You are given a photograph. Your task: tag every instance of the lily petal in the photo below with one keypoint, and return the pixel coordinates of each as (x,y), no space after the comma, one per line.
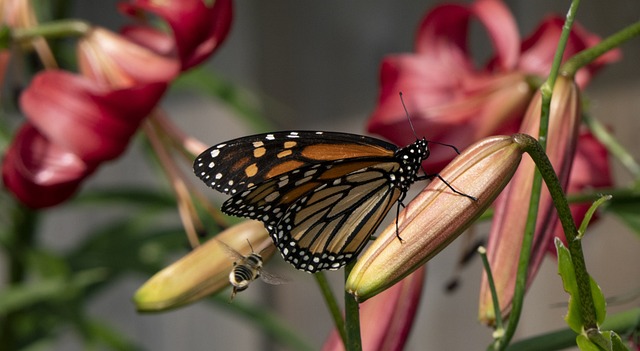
(198,29)
(40,173)
(91,121)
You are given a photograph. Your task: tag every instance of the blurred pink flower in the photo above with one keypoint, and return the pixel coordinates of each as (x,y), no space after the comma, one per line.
(38,172)
(452,101)
(75,122)
(386,318)
(198,29)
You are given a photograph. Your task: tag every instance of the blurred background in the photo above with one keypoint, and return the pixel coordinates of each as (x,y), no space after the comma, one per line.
(315,65)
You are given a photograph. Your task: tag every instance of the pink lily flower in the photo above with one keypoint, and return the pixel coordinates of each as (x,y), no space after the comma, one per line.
(453,101)
(90,118)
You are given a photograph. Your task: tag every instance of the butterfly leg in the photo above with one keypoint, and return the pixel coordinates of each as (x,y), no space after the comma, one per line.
(397,215)
(431,176)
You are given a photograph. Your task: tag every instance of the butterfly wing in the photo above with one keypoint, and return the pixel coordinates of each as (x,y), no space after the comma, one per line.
(329,225)
(239,164)
(321,195)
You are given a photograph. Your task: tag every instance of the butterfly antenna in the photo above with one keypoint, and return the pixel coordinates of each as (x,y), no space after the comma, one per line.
(406,112)
(249,242)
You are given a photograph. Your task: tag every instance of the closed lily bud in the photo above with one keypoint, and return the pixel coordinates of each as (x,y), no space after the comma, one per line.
(436,216)
(204,271)
(509,220)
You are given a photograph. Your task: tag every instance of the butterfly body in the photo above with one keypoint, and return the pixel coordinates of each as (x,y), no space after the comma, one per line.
(321,195)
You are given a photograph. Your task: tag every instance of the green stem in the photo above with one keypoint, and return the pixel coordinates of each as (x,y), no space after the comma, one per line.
(533,148)
(332,304)
(546,89)
(612,145)
(492,287)
(589,55)
(55,29)
(352,316)
(18,240)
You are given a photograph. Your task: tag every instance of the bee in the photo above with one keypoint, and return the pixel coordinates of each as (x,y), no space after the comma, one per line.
(247,269)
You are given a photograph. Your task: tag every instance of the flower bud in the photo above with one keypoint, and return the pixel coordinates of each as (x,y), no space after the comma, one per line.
(203,271)
(509,220)
(436,216)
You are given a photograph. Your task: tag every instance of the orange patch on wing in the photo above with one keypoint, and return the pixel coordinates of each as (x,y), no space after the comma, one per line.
(284,153)
(251,170)
(259,152)
(340,151)
(299,191)
(283,167)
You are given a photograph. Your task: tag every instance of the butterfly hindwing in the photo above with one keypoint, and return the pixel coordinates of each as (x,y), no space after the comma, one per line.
(328,226)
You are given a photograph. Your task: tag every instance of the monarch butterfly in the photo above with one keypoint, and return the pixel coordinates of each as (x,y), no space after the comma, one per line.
(247,269)
(321,195)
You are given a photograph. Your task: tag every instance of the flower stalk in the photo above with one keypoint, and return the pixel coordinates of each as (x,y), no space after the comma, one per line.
(352,315)
(332,304)
(589,55)
(534,149)
(55,29)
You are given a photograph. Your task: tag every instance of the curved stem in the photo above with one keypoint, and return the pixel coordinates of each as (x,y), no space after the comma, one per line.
(533,148)
(589,55)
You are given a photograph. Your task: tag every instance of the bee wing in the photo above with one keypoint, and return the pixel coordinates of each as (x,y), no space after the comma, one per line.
(231,252)
(272,279)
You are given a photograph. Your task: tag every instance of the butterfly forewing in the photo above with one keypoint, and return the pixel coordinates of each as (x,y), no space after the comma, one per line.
(239,164)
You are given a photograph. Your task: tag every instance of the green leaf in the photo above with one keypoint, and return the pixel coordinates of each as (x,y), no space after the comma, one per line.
(567,273)
(622,323)
(584,344)
(565,269)
(599,301)
(19,297)
(616,342)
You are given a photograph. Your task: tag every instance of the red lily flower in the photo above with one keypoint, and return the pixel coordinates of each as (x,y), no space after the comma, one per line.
(90,119)
(386,318)
(454,102)
(198,29)
(38,172)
